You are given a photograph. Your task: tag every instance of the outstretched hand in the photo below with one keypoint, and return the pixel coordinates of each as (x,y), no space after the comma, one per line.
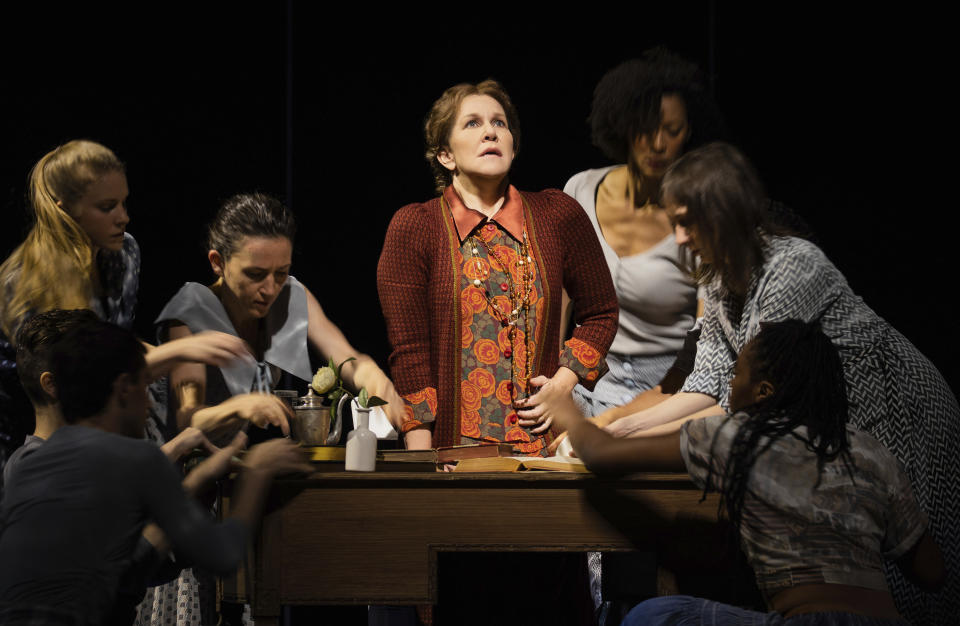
(368,374)
(221,461)
(211,347)
(188,439)
(260,409)
(278,457)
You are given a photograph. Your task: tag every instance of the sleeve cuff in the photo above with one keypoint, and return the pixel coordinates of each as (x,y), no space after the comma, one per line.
(584,360)
(420,408)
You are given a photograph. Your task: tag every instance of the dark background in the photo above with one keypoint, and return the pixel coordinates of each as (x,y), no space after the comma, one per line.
(843,111)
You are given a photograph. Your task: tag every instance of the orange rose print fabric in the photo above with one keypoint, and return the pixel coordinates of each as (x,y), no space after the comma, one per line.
(492,351)
(582,358)
(422,408)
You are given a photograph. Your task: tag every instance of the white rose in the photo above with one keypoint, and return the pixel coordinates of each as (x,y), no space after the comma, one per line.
(324,380)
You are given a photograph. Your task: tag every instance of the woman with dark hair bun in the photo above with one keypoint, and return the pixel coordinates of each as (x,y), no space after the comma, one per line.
(646,113)
(752,276)
(79,255)
(470,285)
(256,299)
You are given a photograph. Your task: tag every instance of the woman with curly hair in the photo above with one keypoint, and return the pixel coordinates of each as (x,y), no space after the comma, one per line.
(470,285)
(646,113)
(751,275)
(818,506)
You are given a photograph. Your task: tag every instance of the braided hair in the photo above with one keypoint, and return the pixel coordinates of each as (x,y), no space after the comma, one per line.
(804,367)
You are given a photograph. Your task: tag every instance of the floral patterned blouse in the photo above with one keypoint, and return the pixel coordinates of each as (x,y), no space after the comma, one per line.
(501,316)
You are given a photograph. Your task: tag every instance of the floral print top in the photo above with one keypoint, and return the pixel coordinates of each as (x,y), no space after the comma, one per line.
(495,353)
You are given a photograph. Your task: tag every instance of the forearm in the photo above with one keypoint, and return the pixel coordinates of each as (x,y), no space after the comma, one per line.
(249,495)
(674,426)
(160,359)
(604,454)
(364,372)
(645,400)
(157,539)
(419,439)
(675,407)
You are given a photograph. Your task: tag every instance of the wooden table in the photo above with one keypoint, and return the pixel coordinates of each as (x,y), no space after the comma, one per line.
(356,538)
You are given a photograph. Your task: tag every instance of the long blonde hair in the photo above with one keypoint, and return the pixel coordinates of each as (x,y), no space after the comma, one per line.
(54,268)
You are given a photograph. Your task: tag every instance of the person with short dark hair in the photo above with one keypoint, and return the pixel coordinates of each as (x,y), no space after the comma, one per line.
(817,504)
(34,344)
(75,508)
(79,254)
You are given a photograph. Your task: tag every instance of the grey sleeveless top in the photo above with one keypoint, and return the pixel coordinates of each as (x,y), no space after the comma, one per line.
(657,298)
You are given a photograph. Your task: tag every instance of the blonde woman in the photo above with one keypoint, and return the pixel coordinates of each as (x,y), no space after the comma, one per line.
(79,255)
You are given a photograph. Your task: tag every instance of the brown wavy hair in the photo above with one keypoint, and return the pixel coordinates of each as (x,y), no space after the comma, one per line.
(443,114)
(726,204)
(54,267)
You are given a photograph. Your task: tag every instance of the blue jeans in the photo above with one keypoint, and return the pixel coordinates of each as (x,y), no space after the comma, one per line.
(689,611)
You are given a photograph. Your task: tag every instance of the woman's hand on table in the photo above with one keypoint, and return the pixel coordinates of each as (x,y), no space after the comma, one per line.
(536,408)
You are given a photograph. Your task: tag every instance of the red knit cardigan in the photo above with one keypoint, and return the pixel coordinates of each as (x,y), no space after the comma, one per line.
(418,280)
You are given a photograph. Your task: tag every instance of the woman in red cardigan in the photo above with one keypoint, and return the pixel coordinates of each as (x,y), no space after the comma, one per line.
(470,285)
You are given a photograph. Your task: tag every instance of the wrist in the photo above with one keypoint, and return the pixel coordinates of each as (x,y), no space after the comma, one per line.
(566,378)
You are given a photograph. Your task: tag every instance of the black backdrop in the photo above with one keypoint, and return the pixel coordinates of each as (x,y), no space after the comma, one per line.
(840,110)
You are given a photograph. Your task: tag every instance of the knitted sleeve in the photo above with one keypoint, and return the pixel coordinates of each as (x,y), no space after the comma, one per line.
(403,276)
(587,281)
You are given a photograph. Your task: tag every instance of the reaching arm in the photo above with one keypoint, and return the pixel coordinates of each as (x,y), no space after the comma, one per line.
(604,454)
(326,337)
(190,529)
(188,383)
(677,406)
(403,284)
(262,463)
(210,347)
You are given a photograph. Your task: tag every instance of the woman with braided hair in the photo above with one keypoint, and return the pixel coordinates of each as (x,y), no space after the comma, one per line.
(751,275)
(818,505)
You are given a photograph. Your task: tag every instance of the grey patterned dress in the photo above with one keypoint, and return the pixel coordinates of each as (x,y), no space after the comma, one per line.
(895,393)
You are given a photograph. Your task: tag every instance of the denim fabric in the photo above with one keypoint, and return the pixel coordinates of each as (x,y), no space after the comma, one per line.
(628,377)
(689,611)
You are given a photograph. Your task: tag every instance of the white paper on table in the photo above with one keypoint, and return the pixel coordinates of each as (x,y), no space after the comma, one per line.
(565,448)
(379,423)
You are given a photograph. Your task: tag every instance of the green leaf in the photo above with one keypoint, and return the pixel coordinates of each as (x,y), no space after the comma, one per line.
(376,401)
(363,397)
(333,366)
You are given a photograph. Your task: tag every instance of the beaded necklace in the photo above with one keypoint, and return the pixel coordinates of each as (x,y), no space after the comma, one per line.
(519,296)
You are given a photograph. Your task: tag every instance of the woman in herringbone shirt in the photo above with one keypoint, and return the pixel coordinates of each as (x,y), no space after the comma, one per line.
(751,276)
